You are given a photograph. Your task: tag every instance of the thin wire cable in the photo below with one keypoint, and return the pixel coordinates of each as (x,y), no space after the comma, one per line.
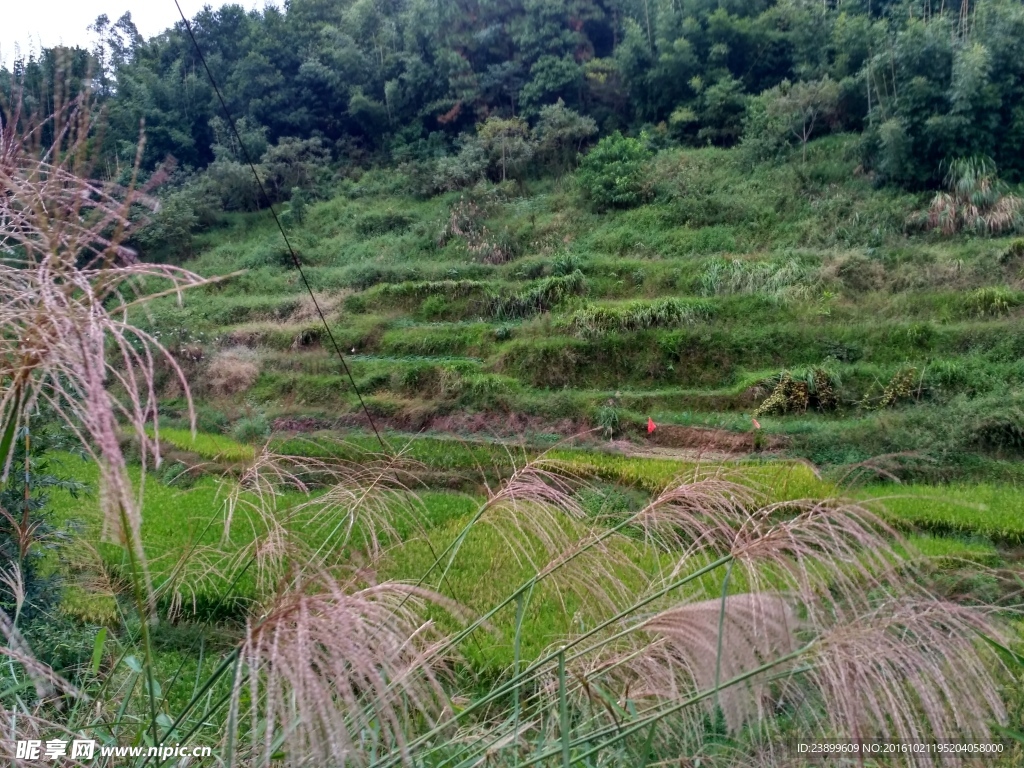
(291,251)
(295,260)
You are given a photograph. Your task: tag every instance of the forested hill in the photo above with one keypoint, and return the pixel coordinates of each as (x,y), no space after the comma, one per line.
(391,80)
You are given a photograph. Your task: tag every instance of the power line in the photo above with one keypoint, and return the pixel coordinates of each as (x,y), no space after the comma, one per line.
(295,260)
(291,251)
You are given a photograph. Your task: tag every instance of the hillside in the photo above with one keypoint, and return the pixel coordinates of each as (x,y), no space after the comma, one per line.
(512,307)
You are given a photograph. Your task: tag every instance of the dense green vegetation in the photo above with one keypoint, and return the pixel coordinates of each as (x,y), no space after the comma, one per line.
(181,515)
(361,81)
(727,294)
(430,160)
(789,233)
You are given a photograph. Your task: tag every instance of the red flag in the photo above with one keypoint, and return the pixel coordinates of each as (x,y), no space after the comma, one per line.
(757,424)
(651,426)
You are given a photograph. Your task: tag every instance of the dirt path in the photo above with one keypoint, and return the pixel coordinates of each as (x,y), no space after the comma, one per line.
(667,441)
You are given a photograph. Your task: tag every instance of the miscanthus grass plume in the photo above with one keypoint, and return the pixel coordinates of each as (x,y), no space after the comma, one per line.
(68,283)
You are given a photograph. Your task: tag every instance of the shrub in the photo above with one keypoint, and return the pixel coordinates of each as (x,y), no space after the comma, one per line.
(637,316)
(171,227)
(1013,252)
(382,222)
(210,420)
(465,220)
(298,207)
(233,370)
(791,110)
(560,133)
(816,388)
(993,301)
(608,420)
(503,333)
(434,307)
(860,273)
(269,253)
(176,473)
(565,264)
(977,201)
(357,304)
(999,431)
(251,429)
(229,185)
(544,295)
(454,172)
(292,163)
(994,423)
(614,173)
(508,144)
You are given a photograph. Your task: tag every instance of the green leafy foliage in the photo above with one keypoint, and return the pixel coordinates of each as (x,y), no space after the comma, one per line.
(791,111)
(560,134)
(614,173)
(251,429)
(26,532)
(924,86)
(171,227)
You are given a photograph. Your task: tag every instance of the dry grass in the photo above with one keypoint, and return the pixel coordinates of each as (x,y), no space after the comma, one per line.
(299,514)
(822,591)
(233,370)
(912,670)
(686,645)
(976,201)
(306,312)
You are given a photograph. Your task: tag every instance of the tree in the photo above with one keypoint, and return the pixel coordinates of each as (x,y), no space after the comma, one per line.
(376,73)
(115,46)
(560,133)
(552,78)
(508,143)
(170,228)
(294,163)
(464,169)
(766,134)
(613,173)
(226,146)
(803,106)
(229,185)
(722,106)
(297,206)
(24,531)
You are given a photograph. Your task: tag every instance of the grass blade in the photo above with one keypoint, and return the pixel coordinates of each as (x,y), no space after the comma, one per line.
(97,650)
(563,710)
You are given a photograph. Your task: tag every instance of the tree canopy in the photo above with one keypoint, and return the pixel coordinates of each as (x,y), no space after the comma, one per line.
(924,81)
